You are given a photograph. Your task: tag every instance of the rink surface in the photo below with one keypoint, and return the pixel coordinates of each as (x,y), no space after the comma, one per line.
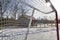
(34,34)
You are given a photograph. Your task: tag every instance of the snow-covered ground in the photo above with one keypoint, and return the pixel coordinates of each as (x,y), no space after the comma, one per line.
(34,34)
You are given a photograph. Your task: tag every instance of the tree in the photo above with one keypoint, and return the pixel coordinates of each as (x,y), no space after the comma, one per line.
(4,5)
(22,8)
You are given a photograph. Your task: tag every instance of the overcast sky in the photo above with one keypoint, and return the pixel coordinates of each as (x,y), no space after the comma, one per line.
(56,4)
(41,5)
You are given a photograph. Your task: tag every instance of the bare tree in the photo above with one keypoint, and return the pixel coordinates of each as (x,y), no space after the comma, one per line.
(22,8)
(4,5)
(3,8)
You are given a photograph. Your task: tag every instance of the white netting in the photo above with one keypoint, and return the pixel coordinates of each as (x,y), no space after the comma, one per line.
(26,21)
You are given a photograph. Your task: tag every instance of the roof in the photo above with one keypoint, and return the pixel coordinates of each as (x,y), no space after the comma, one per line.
(27,17)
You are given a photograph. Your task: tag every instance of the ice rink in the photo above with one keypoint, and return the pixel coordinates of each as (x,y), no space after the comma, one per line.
(34,34)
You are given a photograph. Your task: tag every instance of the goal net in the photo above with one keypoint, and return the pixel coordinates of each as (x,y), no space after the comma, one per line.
(27,20)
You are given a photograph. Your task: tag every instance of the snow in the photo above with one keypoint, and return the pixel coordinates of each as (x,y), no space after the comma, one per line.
(34,34)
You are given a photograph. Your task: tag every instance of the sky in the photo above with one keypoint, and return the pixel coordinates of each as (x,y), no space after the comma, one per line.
(46,8)
(41,5)
(57,6)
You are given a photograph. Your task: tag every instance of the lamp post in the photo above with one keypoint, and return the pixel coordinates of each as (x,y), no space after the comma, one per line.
(57,28)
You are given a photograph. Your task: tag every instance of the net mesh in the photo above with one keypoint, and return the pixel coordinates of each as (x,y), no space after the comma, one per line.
(21,21)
